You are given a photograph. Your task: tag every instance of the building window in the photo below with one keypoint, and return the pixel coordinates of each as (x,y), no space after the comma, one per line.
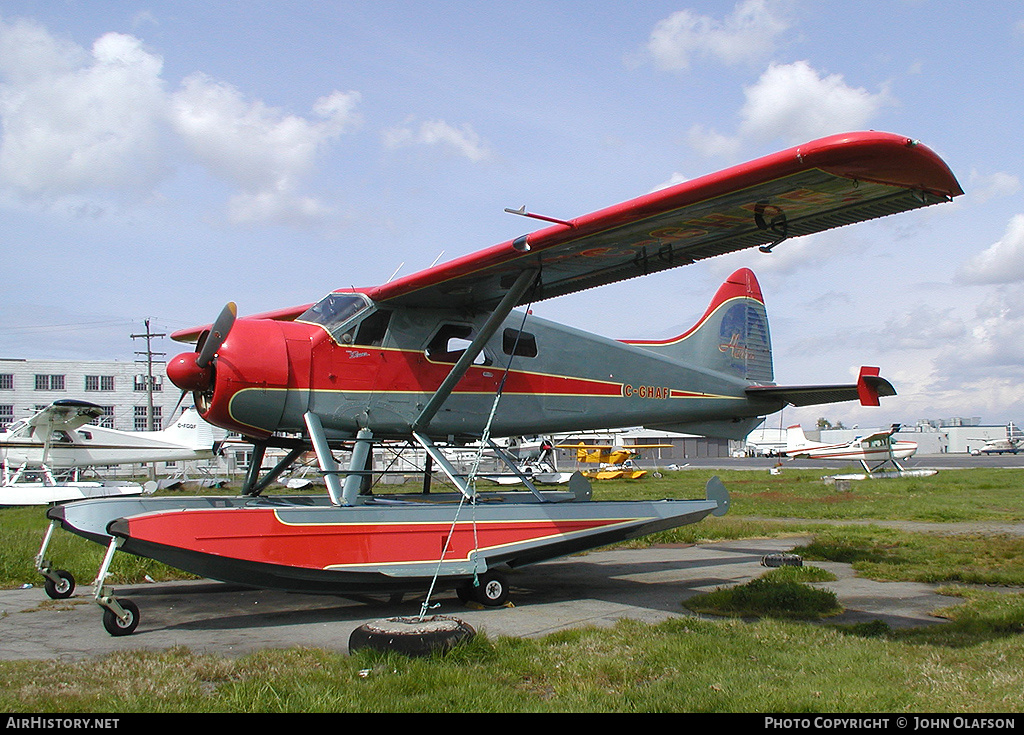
(142,420)
(6,415)
(142,381)
(6,381)
(107,419)
(49,382)
(99,382)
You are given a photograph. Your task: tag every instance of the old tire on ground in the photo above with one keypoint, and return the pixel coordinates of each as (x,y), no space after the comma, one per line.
(782,560)
(412,636)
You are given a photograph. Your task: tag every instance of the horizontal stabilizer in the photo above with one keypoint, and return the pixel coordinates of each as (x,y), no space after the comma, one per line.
(867,390)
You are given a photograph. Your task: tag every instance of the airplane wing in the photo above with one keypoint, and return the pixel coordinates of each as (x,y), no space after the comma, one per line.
(885,434)
(827,183)
(823,184)
(288,314)
(66,414)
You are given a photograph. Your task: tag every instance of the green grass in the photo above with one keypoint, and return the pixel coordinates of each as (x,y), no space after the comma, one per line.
(978,494)
(686,665)
(768,597)
(886,554)
(21,536)
(783,656)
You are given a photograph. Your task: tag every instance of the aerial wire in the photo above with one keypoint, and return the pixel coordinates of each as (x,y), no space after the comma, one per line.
(471,479)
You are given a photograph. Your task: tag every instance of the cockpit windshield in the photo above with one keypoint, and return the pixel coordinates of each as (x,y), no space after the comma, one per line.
(334,310)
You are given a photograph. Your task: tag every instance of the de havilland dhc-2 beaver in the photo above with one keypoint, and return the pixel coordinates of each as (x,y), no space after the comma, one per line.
(425,358)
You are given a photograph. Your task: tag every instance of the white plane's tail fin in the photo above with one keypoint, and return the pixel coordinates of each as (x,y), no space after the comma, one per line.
(795,439)
(189,430)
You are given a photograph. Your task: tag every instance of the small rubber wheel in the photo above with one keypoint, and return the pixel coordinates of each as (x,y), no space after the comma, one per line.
(62,588)
(411,636)
(118,627)
(490,590)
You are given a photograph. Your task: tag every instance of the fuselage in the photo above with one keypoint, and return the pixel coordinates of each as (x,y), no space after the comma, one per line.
(358,366)
(92,446)
(877,450)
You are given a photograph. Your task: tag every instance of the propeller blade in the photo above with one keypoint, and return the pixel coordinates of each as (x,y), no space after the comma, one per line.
(177,406)
(218,334)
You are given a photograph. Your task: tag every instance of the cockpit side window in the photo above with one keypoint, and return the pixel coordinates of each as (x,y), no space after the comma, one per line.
(334,310)
(373,328)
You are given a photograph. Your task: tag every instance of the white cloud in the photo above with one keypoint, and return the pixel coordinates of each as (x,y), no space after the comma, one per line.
(462,141)
(76,123)
(263,150)
(1001,262)
(793,101)
(75,120)
(991,186)
(938,355)
(675,178)
(796,103)
(711,143)
(993,346)
(275,206)
(747,34)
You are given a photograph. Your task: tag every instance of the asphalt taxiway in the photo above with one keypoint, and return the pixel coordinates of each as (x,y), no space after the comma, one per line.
(594,589)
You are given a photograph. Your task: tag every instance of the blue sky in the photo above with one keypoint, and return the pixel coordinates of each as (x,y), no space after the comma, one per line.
(160,159)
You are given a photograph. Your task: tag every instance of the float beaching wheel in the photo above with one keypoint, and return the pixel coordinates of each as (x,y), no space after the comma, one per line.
(412,636)
(118,626)
(59,586)
(490,589)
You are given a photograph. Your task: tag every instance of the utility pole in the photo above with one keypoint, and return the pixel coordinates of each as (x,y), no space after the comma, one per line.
(149,337)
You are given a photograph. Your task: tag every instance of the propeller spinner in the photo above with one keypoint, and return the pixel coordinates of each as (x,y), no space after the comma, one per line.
(192,371)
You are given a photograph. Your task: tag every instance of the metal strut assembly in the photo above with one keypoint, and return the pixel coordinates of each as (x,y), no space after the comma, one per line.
(495,320)
(502,310)
(253,485)
(346,493)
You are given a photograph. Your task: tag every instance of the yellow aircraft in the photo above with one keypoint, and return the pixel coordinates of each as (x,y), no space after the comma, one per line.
(616,460)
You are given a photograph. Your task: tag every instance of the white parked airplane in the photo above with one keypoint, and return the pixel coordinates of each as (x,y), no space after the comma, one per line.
(535,459)
(1011,444)
(59,437)
(880,447)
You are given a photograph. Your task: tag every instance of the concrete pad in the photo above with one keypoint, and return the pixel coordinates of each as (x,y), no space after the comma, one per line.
(594,589)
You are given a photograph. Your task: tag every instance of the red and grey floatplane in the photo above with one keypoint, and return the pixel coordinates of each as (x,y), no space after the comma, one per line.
(453,355)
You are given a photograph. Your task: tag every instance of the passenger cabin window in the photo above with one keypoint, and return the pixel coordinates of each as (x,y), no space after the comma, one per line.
(450,342)
(521,344)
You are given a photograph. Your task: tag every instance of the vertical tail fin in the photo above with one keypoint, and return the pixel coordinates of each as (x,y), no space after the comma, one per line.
(795,438)
(732,337)
(189,430)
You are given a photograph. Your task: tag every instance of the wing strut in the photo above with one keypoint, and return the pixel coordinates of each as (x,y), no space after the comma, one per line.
(502,310)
